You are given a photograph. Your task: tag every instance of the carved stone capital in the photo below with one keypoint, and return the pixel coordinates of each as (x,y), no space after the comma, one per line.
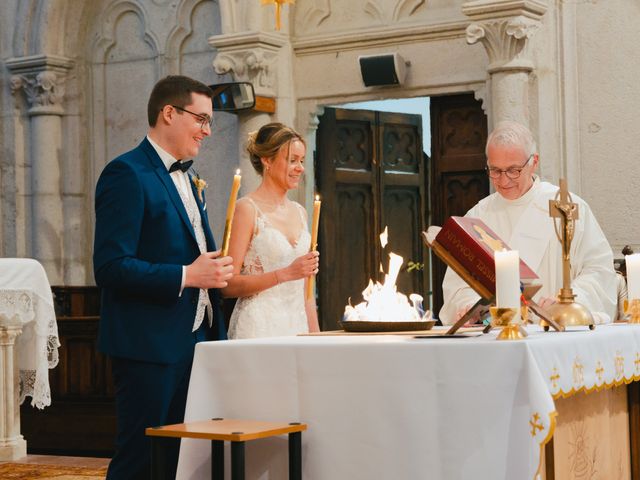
(256,66)
(504,28)
(505,41)
(250,57)
(41,79)
(44,92)
(8,335)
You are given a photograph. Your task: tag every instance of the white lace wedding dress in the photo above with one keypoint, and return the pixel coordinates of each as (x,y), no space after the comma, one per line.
(278,310)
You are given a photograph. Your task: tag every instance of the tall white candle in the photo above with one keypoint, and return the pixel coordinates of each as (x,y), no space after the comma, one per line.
(633,275)
(507,279)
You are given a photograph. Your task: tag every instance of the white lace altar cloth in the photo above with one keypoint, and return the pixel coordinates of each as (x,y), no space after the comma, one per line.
(26,300)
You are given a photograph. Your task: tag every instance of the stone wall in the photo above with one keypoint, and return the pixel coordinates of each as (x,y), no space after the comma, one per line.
(75,79)
(608,126)
(567,68)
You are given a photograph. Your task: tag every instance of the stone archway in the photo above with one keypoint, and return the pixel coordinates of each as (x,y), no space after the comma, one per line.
(316,41)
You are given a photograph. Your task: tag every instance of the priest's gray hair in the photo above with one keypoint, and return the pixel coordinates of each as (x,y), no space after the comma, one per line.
(512,134)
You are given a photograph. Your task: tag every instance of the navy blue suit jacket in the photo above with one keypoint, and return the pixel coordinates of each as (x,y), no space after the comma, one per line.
(143,238)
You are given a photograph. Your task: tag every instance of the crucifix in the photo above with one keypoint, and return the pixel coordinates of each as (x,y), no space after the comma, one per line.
(567,211)
(278,4)
(566,311)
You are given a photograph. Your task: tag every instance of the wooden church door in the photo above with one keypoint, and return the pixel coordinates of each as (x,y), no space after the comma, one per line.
(370,173)
(458,178)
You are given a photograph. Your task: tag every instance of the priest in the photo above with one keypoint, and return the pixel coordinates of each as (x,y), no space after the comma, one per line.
(518,212)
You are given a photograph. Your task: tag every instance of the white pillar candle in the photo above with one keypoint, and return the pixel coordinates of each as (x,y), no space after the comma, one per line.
(633,275)
(507,279)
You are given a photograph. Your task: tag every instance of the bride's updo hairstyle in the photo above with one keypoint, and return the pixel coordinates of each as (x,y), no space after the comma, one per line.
(266,142)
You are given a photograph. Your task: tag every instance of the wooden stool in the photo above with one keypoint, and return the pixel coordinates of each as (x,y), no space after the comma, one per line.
(237,432)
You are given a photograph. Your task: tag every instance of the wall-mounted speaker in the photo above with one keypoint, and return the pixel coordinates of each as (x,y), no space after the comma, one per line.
(387,69)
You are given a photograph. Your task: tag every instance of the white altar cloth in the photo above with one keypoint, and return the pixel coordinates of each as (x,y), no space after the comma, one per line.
(395,407)
(26,300)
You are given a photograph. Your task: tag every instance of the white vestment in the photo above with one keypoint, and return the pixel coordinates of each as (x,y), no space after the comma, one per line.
(525,225)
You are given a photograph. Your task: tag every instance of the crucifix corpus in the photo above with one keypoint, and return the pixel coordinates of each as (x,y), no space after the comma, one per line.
(566,312)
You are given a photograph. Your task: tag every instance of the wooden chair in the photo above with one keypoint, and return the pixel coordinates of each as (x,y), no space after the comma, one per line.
(219,430)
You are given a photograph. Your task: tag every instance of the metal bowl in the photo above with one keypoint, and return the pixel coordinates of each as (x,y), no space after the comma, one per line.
(364,326)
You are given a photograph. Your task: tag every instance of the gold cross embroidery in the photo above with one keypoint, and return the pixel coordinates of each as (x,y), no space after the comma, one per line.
(637,362)
(554,378)
(578,372)
(599,371)
(535,424)
(619,363)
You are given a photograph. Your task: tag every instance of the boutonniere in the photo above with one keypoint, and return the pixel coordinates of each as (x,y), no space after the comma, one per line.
(200,185)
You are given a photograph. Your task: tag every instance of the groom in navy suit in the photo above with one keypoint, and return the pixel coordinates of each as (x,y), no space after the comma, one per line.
(157,264)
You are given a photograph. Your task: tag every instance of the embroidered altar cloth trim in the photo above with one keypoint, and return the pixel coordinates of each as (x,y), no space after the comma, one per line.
(26,300)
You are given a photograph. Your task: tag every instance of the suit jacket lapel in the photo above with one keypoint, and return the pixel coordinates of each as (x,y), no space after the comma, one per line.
(203,215)
(166,180)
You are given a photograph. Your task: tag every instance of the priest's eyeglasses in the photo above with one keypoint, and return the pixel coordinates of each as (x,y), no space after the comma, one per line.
(202,119)
(512,172)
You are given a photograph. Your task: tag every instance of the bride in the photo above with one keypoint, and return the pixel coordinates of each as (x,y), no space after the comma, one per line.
(270,243)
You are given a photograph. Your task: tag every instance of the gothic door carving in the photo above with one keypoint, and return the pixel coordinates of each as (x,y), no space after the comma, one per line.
(458,178)
(370,173)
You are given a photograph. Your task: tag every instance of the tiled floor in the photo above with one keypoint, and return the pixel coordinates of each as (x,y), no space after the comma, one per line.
(88,462)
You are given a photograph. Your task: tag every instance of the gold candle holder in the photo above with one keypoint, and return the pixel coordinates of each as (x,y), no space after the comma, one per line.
(632,309)
(509,319)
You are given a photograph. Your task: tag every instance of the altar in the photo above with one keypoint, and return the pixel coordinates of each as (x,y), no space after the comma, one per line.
(395,406)
(28,346)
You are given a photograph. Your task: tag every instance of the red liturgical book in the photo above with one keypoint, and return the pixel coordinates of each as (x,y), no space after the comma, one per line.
(472,243)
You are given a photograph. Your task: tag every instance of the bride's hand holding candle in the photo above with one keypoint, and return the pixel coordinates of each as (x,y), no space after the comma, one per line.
(302,267)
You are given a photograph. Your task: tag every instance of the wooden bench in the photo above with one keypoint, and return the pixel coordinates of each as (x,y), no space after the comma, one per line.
(219,430)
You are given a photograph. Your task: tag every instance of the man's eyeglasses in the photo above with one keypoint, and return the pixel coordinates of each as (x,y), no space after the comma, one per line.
(512,172)
(203,119)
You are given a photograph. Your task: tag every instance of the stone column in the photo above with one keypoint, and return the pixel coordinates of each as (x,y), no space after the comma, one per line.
(504,29)
(12,445)
(249,122)
(251,57)
(41,79)
(308,120)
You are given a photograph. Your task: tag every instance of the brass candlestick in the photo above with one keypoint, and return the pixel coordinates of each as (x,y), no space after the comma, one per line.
(510,321)
(566,312)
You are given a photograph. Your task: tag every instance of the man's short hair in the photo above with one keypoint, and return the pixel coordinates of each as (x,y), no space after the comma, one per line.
(512,134)
(173,90)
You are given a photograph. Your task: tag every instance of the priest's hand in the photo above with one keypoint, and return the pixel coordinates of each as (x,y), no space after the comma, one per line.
(209,270)
(546,302)
(471,321)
